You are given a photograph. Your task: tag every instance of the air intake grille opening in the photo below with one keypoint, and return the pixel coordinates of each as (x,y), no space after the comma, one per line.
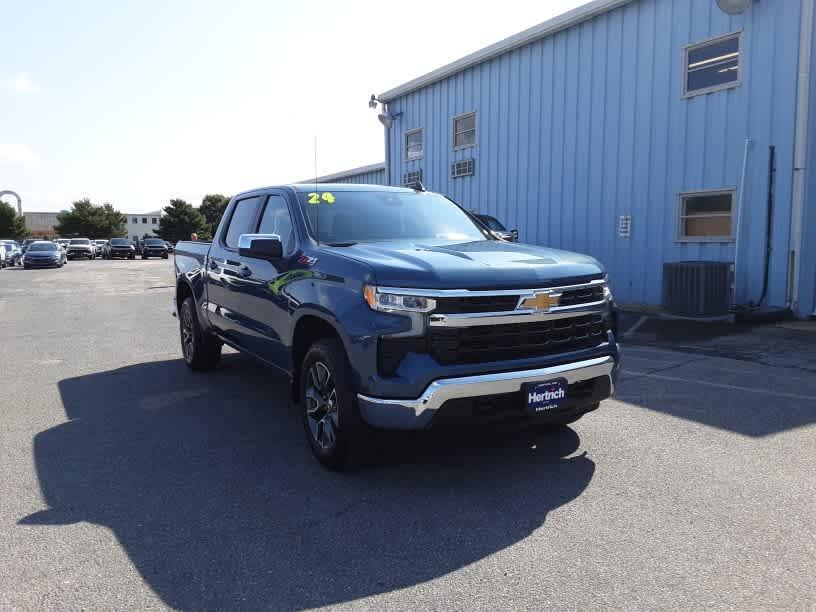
(465,167)
(411,178)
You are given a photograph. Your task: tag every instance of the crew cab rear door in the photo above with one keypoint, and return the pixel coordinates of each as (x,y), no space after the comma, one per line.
(228,278)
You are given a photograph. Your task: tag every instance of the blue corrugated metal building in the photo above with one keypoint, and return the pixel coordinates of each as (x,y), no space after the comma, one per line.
(373,174)
(638,131)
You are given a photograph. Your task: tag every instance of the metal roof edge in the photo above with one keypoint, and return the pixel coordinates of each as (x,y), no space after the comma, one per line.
(328,178)
(537,32)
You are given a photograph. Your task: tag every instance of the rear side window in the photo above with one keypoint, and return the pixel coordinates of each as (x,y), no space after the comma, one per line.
(242,220)
(276,220)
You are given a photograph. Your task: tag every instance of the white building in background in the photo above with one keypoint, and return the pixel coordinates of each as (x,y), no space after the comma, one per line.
(139,224)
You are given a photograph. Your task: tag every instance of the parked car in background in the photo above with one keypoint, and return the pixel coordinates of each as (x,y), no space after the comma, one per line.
(81,247)
(397,310)
(44,254)
(119,248)
(27,243)
(170,247)
(100,246)
(63,242)
(14,252)
(154,247)
(496,228)
(2,255)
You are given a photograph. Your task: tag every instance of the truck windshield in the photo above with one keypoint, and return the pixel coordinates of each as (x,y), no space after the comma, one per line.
(120,242)
(492,223)
(345,217)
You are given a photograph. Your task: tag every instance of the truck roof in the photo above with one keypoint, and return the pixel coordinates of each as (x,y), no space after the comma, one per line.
(308,187)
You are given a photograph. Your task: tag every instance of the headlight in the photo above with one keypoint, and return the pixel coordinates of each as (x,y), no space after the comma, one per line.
(607,290)
(385,301)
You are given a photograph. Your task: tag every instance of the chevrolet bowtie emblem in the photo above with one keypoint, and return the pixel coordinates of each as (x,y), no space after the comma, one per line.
(540,301)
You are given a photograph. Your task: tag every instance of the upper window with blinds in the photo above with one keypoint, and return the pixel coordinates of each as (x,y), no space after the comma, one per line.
(712,65)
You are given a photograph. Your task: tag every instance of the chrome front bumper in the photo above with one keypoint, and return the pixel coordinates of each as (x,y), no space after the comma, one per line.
(418,413)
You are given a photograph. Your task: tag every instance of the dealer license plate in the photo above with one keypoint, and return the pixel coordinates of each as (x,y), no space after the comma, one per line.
(545,396)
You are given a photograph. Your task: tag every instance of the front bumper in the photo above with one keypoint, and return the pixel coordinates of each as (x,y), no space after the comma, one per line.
(418,413)
(80,253)
(42,263)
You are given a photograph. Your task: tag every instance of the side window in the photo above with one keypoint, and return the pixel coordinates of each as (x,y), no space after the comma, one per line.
(276,220)
(712,65)
(242,220)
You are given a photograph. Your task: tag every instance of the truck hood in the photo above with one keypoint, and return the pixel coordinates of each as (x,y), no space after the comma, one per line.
(486,264)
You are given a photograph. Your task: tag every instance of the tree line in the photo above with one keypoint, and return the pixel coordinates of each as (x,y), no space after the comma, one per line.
(179,220)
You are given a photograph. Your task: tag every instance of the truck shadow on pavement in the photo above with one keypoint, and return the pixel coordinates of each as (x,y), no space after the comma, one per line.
(208,484)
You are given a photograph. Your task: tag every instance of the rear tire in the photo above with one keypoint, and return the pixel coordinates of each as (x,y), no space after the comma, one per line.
(328,406)
(201,351)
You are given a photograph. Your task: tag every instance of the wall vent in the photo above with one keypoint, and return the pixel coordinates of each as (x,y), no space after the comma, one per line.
(697,288)
(464,167)
(625,226)
(411,178)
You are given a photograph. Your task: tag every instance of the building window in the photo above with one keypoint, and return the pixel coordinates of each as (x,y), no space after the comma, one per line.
(414,144)
(712,65)
(144,219)
(464,131)
(154,220)
(410,179)
(135,219)
(706,216)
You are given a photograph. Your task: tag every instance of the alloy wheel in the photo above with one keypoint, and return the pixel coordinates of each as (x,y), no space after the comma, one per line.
(321,405)
(187,335)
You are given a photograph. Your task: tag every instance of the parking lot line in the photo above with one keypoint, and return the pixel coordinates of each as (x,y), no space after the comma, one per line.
(697,381)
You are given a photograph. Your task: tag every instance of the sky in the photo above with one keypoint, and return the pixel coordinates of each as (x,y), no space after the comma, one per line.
(135,103)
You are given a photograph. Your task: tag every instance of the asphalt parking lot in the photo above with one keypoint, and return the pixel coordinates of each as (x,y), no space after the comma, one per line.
(129,482)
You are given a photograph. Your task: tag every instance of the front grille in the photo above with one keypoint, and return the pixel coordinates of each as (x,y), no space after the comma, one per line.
(476,304)
(450,346)
(463,345)
(584,295)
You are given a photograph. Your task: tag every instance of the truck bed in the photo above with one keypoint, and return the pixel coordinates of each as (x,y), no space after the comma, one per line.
(190,255)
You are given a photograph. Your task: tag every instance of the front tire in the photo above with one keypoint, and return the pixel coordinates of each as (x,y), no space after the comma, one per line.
(328,405)
(202,351)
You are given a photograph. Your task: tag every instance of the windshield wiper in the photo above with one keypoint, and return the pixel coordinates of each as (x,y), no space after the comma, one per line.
(339,244)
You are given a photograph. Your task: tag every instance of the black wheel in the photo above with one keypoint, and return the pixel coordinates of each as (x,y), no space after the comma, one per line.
(164,256)
(201,351)
(132,257)
(328,405)
(144,256)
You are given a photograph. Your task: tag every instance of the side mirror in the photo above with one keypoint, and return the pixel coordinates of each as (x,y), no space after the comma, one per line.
(260,246)
(515,235)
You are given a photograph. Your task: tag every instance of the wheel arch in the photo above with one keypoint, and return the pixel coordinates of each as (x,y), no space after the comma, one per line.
(308,329)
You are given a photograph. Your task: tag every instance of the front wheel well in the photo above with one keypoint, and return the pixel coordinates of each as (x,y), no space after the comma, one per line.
(183,291)
(308,330)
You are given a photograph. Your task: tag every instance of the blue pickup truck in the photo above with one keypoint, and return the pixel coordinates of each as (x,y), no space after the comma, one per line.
(395,308)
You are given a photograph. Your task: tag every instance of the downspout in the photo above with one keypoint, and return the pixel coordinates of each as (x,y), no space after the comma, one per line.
(387,150)
(800,150)
(740,205)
